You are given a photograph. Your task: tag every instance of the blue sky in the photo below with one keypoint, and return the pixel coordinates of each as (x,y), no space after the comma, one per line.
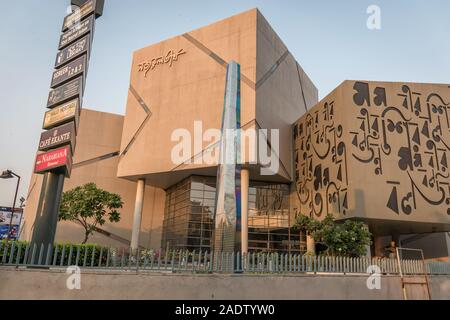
(329,39)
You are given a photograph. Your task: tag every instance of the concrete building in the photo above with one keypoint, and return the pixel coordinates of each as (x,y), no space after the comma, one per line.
(377,152)
(177,90)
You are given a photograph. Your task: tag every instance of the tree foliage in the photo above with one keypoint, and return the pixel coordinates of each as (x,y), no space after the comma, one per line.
(90,206)
(341,239)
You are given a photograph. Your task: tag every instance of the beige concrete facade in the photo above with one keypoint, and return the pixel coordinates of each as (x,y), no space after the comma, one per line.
(377,151)
(373,151)
(99,136)
(172,84)
(166,96)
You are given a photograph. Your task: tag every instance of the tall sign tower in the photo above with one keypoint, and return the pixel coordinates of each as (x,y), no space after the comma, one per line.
(58,141)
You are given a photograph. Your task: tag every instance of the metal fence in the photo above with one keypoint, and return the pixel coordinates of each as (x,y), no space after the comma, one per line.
(91,256)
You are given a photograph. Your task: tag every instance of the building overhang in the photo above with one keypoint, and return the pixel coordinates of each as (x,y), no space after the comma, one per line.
(165,180)
(383,227)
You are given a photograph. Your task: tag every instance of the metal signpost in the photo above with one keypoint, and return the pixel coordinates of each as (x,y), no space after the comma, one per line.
(57,143)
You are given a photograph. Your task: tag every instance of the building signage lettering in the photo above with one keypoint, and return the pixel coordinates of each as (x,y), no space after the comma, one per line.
(58,136)
(76,32)
(70,90)
(69,71)
(169,58)
(72,51)
(53,159)
(62,114)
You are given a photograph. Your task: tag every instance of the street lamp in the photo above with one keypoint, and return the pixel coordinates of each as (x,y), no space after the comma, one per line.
(22,200)
(8,174)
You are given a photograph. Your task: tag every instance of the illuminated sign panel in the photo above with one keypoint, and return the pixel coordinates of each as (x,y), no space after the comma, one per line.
(73,51)
(73,34)
(62,114)
(54,159)
(58,136)
(74,18)
(69,71)
(68,91)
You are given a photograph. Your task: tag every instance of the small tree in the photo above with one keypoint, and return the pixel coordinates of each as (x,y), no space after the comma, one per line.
(341,239)
(90,206)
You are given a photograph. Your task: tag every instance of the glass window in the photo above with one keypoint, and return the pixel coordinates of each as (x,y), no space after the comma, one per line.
(196,185)
(196,194)
(189,216)
(210,195)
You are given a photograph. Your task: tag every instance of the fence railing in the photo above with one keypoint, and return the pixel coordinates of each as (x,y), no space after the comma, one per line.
(91,256)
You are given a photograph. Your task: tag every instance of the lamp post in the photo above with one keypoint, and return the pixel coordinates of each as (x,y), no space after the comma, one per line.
(8,174)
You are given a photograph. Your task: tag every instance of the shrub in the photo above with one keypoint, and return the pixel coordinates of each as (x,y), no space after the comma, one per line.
(88,254)
(340,239)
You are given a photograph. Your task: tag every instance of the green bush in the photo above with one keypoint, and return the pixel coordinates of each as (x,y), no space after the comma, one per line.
(339,239)
(5,250)
(88,254)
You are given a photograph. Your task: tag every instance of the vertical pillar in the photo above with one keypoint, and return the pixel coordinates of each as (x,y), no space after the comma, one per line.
(48,211)
(227,230)
(310,245)
(368,249)
(245,181)
(137,217)
(368,252)
(378,245)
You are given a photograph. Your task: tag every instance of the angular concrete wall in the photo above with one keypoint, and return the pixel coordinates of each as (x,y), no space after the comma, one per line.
(172,84)
(377,151)
(283,92)
(177,94)
(168,95)
(98,138)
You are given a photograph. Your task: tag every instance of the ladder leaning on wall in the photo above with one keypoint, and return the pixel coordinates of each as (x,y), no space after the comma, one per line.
(409,280)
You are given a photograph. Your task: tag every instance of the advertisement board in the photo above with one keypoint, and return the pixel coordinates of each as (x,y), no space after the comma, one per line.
(72,19)
(58,136)
(71,70)
(5,220)
(60,159)
(62,114)
(73,34)
(72,51)
(68,91)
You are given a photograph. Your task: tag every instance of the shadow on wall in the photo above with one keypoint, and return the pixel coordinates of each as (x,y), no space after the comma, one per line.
(68,231)
(359,209)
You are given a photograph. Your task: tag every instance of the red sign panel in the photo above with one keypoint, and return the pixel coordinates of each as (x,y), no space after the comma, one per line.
(58,160)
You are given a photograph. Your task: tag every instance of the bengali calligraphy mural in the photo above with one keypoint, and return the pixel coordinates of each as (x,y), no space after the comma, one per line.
(376,150)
